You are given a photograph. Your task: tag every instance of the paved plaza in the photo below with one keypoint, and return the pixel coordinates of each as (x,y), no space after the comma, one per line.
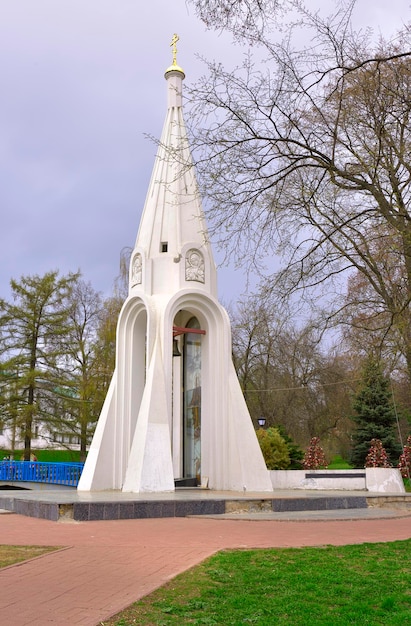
(104,566)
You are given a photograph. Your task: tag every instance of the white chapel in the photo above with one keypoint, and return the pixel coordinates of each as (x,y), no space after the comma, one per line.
(174,414)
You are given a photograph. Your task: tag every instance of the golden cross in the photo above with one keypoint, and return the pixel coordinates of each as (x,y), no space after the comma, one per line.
(174,46)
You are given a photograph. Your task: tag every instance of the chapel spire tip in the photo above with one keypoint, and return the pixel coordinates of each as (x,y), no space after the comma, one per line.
(174,67)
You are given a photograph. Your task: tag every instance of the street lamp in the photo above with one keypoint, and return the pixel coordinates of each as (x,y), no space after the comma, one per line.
(261,422)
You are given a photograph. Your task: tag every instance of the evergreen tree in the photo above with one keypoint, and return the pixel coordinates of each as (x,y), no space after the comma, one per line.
(295,452)
(35,330)
(374,415)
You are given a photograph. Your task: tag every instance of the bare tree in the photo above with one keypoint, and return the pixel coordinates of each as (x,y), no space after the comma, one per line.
(287,376)
(84,403)
(246,20)
(306,156)
(367,323)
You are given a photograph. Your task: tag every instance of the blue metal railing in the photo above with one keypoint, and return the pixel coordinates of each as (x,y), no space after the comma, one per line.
(37,472)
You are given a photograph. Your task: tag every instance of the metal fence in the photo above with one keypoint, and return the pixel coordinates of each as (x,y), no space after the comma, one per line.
(37,472)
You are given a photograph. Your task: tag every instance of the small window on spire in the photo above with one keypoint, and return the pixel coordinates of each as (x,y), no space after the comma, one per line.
(164,246)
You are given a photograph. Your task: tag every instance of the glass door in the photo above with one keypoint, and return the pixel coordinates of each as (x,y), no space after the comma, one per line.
(192,403)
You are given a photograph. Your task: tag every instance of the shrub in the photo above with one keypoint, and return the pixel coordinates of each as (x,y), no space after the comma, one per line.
(377,456)
(314,457)
(404,463)
(274,448)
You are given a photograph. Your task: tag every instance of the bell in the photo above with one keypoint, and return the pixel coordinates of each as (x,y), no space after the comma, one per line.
(176,351)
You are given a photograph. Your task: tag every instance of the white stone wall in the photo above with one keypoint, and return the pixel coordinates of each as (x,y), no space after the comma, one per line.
(384,480)
(375,479)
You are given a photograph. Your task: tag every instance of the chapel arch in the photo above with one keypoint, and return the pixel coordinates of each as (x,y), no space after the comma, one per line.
(131,369)
(138,366)
(188,337)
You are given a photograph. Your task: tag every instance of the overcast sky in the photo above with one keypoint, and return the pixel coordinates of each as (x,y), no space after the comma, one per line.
(81,83)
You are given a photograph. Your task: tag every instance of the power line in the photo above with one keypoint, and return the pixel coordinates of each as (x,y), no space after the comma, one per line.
(305,387)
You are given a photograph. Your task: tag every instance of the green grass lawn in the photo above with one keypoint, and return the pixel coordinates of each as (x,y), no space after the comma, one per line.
(337,462)
(58,456)
(47,456)
(10,555)
(325,586)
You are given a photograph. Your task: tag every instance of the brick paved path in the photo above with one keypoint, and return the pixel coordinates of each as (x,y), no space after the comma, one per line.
(105,566)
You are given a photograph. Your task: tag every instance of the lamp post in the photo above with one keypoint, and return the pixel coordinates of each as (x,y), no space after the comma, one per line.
(261,421)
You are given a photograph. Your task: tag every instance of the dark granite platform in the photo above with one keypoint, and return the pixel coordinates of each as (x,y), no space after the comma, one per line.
(281,505)
(70,504)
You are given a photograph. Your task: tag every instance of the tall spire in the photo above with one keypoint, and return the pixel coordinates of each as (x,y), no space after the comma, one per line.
(173,222)
(169,417)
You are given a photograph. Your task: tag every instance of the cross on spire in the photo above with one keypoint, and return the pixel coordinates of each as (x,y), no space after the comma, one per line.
(173,44)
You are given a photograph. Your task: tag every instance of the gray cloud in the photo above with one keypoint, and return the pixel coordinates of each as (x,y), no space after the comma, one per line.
(81,84)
